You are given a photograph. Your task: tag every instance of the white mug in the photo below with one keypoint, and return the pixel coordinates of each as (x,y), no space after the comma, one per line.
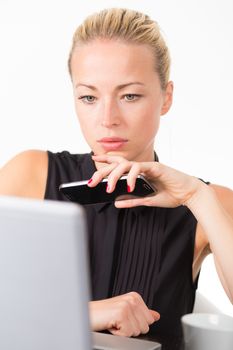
(207,331)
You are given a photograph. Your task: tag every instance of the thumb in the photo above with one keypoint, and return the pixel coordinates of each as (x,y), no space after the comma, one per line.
(155,315)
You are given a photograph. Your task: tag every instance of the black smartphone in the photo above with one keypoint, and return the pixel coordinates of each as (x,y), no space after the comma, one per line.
(81,193)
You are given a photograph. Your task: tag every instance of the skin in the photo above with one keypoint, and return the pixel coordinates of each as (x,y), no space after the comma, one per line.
(110,111)
(132,113)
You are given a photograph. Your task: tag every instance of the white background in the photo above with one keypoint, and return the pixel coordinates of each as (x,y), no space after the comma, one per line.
(36,102)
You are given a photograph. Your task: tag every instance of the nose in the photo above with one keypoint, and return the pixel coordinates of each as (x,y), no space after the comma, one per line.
(110,114)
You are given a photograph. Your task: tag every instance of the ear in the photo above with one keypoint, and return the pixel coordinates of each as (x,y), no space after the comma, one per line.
(168,96)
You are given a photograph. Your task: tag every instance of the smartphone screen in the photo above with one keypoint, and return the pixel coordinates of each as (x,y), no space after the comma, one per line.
(81,193)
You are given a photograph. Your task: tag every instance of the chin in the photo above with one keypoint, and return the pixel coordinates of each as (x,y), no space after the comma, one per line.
(100,152)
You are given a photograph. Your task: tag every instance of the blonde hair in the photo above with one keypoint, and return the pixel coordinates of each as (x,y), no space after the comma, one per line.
(130,26)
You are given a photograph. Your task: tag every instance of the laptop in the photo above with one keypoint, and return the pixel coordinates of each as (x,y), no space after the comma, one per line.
(44,279)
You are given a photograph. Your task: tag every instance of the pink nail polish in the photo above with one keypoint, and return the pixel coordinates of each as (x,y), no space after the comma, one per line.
(89,181)
(128,188)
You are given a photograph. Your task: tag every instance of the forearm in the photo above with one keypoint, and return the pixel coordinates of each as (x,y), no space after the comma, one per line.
(218,227)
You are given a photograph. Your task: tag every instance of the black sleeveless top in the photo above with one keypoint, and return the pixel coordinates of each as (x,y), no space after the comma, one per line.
(148,250)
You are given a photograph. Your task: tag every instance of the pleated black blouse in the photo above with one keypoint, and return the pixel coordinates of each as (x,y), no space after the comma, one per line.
(148,250)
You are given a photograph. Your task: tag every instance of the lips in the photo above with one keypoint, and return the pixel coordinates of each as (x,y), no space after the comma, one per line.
(112,143)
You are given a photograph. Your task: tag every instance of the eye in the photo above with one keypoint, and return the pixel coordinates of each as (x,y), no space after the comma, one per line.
(131,97)
(87,99)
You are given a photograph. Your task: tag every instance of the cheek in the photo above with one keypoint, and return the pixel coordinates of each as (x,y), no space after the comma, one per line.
(82,115)
(87,128)
(84,123)
(87,115)
(88,131)
(149,130)
(148,119)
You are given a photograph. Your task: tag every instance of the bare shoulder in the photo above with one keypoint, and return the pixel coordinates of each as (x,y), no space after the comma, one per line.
(225,196)
(25,175)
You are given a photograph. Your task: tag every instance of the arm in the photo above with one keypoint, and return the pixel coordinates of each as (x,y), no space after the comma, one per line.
(176,188)
(25,175)
(213,208)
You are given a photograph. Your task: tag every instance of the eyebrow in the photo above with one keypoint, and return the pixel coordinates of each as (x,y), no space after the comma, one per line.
(119,87)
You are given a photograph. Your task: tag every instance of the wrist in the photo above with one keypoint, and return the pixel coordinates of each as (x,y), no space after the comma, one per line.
(93,311)
(98,317)
(203,195)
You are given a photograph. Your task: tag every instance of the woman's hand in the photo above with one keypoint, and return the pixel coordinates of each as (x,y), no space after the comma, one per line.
(174,187)
(125,315)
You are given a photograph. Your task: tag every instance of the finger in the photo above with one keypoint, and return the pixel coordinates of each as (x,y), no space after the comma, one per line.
(117,172)
(127,325)
(144,319)
(108,159)
(157,200)
(155,315)
(134,171)
(140,311)
(133,316)
(145,316)
(100,174)
(133,202)
(152,169)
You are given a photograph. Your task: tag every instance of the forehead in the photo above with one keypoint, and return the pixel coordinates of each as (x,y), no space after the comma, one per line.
(112,59)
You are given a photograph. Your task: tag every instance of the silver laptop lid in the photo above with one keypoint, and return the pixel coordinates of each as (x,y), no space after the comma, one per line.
(103,341)
(44,287)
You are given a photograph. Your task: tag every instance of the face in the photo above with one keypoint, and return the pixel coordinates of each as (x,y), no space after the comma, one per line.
(118,98)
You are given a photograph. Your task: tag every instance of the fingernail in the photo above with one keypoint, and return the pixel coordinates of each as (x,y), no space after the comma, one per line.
(89,181)
(128,188)
(107,188)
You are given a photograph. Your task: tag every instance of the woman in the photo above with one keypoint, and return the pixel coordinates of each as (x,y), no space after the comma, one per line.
(145,253)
